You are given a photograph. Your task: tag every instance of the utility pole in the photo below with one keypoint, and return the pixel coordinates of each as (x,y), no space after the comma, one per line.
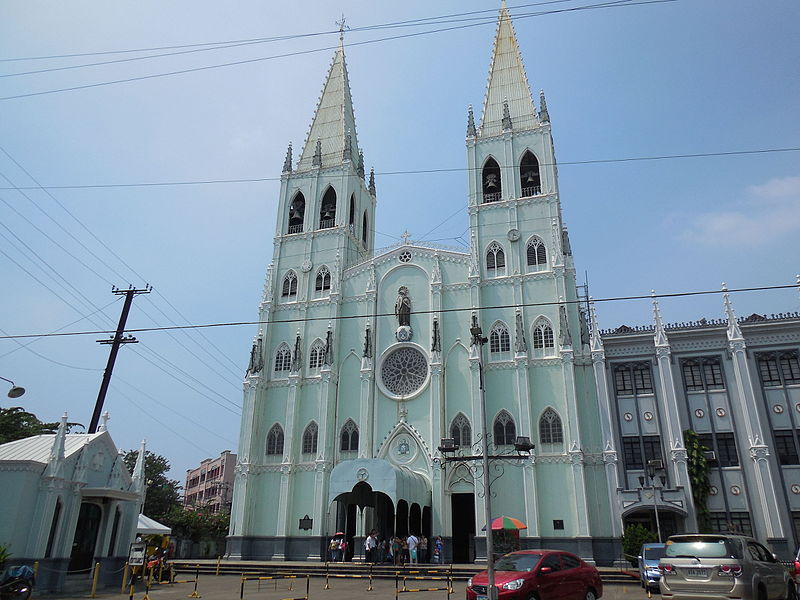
(116,341)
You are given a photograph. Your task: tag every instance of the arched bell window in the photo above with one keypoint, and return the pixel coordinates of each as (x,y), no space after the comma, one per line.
(322,283)
(536,253)
(297,212)
(327,210)
(529,177)
(505,432)
(495,260)
(289,287)
(491,181)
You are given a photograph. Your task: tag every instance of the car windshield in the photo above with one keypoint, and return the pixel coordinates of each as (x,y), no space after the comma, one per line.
(702,547)
(654,553)
(517,562)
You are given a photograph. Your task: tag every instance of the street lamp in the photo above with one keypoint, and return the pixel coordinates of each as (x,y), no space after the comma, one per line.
(654,466)
(15,391)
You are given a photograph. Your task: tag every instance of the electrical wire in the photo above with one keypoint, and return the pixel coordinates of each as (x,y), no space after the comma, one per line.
(475,309)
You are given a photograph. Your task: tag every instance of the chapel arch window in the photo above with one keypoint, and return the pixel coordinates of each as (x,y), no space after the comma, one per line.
(310,436)
(322,283)
(327,210)
(351,216)
(461,431)
(499,341)
(536,254)
(289,286)
(491,182)
(275,441)
(495,260)
(349,437)
(283,359)
(364,228)
(529,177)
(550,429)
(316,355)
(543,341)
(297,212)
(505,432)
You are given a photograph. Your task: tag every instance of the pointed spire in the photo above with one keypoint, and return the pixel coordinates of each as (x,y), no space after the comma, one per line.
(56,460)
(372,181)
(734,332)
(596,341)
(361,164)
(660,336)
(507,83)
(287,162)
(333,120)
(138,483)
(470,123)
(544,116)
(103,422)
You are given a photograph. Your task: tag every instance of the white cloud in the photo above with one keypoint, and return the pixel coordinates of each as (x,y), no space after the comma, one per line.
(769,210)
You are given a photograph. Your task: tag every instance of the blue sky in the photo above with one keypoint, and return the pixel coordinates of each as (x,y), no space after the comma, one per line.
(683,77)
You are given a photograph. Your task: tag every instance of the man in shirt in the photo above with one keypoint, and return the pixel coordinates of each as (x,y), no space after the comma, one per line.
(412,548)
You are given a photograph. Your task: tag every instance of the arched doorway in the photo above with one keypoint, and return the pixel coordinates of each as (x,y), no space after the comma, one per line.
(85,539)
(669,521)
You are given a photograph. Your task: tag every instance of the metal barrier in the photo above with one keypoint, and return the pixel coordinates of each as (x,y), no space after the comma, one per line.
(260,578)
(328,575)
(404,590)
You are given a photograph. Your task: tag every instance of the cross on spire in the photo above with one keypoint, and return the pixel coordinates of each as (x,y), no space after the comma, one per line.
(342,27)
(406,236)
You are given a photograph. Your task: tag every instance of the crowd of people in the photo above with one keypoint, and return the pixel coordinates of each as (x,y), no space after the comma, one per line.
(398,550)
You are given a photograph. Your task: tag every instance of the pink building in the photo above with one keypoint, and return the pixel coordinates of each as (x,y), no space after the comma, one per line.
(211,484)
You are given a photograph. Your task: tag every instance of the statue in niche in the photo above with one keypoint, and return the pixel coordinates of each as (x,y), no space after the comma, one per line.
(327,358)
(566,336)
(436,341)
(402,307)
(256,358)
(520,345)
(367,344)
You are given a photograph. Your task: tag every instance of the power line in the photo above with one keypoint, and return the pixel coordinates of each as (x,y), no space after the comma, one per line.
(419,312)
(409,171)
(617,4)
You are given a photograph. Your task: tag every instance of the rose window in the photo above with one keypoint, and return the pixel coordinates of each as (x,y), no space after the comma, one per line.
(404,371)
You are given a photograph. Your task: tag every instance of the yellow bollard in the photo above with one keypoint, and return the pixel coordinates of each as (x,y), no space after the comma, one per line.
(219,560)
(194,594)
(36,569)
(124,577)
(95,577)
(327,585)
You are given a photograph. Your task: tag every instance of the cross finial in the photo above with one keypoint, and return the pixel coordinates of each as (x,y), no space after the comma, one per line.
(342,27)
(406,236)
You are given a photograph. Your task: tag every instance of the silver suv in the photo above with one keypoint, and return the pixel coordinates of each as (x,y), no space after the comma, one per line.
(715,566)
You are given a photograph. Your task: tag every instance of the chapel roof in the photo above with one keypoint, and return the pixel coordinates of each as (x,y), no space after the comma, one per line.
(37,448)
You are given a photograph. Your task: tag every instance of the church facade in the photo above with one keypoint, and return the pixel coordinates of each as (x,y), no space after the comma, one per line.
(364,403)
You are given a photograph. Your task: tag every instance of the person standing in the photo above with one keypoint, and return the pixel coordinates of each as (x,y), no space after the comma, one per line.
(413,542)
(438,550)
(423,549)
(371,544)
(396,550)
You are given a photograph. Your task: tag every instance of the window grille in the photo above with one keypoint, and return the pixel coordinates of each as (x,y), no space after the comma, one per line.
(623,381)
(550,431)
(505,432)
(713,374)
(275,440)
(642,379)
(316,355)
(543,336)
(692,376)
(460,431)
(310,438)
(726,450)
(785,447)
(632,453)
(323,281)
(790,368)
(536,254)
(349,436)
(283,359)
(499,339)
(652,448)
(768,368)
(289,288)
(495,260)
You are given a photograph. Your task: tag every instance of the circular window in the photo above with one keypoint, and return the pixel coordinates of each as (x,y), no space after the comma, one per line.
(404,371)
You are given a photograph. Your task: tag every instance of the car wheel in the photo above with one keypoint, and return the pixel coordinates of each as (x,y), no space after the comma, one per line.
(590,595)
(791,592)
(762,593)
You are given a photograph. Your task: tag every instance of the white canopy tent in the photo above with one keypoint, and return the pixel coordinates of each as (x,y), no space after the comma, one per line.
(148,526)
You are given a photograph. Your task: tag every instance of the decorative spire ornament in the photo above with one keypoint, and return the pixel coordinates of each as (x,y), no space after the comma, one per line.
(470,123)
(596,342)
(660,337)
(372,181)
(734,332)
(544,116)
(296,362)
(287,162)
(361,164)
(506,116)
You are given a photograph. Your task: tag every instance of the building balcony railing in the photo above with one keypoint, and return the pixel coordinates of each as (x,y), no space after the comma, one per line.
(327,223)
(534,190)
(491,197)
(296,228)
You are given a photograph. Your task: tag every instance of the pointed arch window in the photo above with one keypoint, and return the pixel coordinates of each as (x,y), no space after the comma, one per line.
(461,431)
(491,181)
(364,229)
(550,430)
(316,355)
(322,284)
(297,212)
(495,260)
(310,436)
(505,432)
(289,287)
(351,216)
(529,177)
(349,437)
(283,359)
(327,210)
(536,254)
(499,341)
(543,341)
(275,441)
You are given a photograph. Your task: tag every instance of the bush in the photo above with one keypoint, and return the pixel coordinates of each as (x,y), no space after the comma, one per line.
(632,540)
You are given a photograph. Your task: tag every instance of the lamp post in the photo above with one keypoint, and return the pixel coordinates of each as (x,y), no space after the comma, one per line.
(652,467)
(15,391)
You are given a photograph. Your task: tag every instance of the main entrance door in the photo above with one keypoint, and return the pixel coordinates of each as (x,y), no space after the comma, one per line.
(463,511)
(85,537)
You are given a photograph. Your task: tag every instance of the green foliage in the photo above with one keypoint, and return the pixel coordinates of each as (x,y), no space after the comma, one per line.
(198,524)
(4,553)
(632,539)
(163,493)
(698,467)
(16,423)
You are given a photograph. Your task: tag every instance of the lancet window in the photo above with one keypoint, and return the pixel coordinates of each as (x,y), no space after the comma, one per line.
(327,210)
(351,216)
(310,436)
(322,284)
(505,432)
(349,437)
(275,440)
(495,260)
(536,254)
(550,431)
(461,431)
(491,181)
(529,176)
(297,211)
(316,355)
(543,341)
(283,358)
(289,287)
(364,229)
(499,340)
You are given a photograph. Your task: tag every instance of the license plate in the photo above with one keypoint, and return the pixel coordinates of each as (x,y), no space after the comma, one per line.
(483,597)
(697,572)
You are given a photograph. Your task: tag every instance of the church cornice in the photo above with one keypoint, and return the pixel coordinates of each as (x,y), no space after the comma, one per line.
(382,258)
(544,198)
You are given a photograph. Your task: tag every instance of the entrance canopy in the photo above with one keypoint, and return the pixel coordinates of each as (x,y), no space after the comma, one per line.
(399,483)
(148,526)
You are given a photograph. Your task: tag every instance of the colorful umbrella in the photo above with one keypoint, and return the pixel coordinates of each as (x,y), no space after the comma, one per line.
(506,523)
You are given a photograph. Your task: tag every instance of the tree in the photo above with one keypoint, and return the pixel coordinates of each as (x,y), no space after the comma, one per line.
(198,524)
(16,423)
(163,493)
(697,464)
(632,539)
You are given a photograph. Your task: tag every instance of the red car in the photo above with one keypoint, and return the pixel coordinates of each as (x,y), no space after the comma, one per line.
(542,574)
